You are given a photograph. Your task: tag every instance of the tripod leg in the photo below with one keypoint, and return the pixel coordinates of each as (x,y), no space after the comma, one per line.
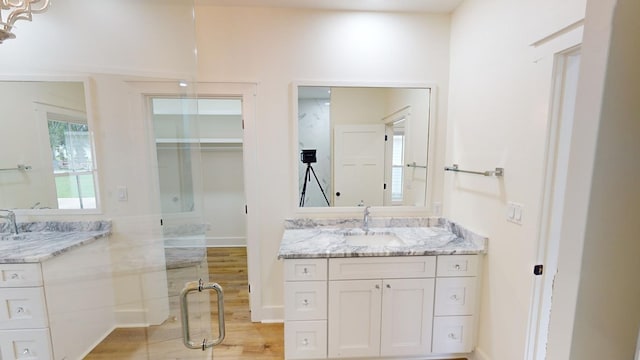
(318,182)
(303,194)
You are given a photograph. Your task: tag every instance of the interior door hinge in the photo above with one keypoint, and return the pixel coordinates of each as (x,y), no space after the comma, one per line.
(242,124)
(246,209)
(249,288)
(161,222)
(538,269)
(384,187)
(386,138)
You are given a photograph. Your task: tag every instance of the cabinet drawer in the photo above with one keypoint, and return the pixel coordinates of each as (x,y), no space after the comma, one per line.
(20,275)
(382,267)
(32,344)
(305,300)
(457,265)
(305,269)
(455,296)
(23,308)
(305,339)
(453,334)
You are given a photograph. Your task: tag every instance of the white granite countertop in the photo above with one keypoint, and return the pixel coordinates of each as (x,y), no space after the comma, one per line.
(307,238)
(37,242)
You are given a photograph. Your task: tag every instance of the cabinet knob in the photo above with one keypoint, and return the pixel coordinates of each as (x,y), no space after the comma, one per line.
(305,342)
(14,276)
(305,302)
(20,310)
(452,336)
(457,266)
(454,297)
(388,286)
(26,351)
(377,286)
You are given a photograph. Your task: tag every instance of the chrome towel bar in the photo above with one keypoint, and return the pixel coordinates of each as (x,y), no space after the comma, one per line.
(20,167)
(497,172)
(414,165)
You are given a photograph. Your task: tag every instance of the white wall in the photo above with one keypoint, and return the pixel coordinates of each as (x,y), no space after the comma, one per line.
(596,313)
(499,100)
(274,47)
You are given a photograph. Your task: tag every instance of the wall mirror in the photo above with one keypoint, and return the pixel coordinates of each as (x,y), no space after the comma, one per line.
(363,145)
(47,159)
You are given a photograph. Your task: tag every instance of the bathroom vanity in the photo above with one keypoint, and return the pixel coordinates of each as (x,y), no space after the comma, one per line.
(56,290)
(403,289)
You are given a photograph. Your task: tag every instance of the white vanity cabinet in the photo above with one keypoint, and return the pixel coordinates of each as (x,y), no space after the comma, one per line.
(380,307)
(59,308)
(305,287)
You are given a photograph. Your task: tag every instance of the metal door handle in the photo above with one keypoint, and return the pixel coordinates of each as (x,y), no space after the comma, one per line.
(184,311)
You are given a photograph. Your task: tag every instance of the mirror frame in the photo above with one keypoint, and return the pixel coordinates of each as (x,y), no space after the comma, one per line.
(89,107)
(425,210)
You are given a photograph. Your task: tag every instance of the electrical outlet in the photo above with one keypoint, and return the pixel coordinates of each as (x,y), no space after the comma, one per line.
(514,213)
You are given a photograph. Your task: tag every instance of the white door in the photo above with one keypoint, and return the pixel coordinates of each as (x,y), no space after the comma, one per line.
(358,152)
(354,318)
(407,315)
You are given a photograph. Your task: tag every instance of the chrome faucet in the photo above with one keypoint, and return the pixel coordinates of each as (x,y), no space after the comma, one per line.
(365,219)
(11,218)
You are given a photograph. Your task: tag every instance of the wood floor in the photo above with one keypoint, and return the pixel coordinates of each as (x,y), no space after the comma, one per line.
(244,339)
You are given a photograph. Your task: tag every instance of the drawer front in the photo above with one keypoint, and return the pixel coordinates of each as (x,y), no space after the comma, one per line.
(455,296)
(453,334)
(457,265)
(305,339)
(24,308)
(382,267)
(305,269)
(305,300)
(32,344)
(20,275)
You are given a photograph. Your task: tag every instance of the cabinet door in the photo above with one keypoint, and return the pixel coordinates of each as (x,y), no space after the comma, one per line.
(407,314)
(354,318)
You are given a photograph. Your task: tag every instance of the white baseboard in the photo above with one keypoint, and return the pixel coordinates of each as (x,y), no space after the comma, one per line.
(131,318)
(272,314)
(478,354)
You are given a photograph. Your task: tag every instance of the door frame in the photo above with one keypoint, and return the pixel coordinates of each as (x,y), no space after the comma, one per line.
(247,93)
(559,137)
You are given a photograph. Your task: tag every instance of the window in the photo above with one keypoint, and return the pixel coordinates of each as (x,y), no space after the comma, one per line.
(72,157)
(397,168)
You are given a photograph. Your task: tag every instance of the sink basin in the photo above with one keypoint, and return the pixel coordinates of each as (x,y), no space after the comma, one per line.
(373,239)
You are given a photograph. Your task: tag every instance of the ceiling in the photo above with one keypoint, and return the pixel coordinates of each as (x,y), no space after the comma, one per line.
(433,6)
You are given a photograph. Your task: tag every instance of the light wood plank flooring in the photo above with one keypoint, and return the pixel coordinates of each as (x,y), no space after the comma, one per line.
(244,339)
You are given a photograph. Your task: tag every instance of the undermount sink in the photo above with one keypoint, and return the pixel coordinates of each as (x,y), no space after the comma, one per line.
(373,238)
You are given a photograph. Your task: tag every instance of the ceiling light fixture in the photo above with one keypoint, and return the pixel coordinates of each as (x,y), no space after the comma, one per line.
(14,10)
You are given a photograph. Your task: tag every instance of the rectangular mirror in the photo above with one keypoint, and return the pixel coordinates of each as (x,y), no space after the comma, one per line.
(363,145)
(47,159)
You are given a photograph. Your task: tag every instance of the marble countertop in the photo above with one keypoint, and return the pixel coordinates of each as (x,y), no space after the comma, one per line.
(39,241)
(307,238)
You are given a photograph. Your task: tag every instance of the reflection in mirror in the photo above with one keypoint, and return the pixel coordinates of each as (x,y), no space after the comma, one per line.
(371,146)
(47,160)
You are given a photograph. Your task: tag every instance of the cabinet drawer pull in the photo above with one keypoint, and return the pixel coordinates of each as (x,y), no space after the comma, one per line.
(305,302)
(305,342)
(14,276)
(377,286)
(20,310)
(305,271)
(452,336)
(388,286)
(26,351)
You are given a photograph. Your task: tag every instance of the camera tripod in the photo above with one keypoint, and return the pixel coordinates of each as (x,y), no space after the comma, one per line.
(307,178)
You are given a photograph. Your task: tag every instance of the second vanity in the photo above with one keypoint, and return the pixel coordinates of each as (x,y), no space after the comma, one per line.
(403,289)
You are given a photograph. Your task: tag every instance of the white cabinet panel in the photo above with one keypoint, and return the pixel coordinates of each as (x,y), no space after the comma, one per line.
(354,318)
(32,344)
(305,339)
(20,275)
(382,267)
(453,334)
(22,308)
(407,315)
(305,300)
(457,265)
(305,269)
(455,296)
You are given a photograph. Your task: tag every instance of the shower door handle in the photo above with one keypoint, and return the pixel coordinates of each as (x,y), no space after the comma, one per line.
(184,311)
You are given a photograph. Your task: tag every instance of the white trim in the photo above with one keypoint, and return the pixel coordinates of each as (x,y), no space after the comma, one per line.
(350,211)
(478,354)
(273,314)
(551,210)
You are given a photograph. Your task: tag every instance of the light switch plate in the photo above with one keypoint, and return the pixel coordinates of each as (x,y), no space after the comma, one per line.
(514,213)
(122,193)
